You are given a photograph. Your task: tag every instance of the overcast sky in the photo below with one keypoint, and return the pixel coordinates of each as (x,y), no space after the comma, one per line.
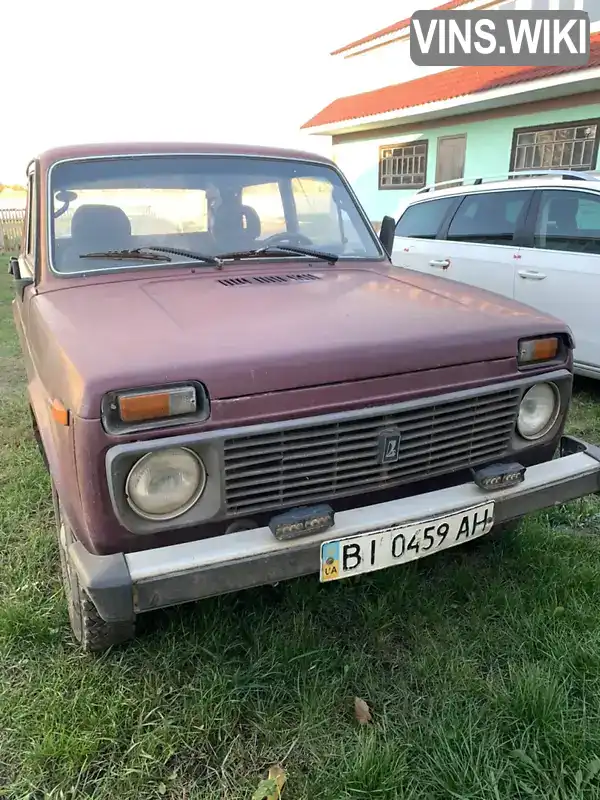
(249,71)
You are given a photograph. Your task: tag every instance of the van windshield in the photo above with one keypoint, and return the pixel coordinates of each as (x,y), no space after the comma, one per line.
(201,204)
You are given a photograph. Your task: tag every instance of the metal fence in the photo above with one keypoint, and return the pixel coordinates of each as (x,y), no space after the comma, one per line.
(11,228)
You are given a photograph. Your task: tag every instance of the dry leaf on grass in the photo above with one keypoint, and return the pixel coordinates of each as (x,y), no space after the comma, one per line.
(271,787)
(362,711)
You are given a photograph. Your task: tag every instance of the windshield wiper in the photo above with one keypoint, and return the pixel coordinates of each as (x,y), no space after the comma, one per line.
(146,254)
(138,255)
(215,261)
(275,248)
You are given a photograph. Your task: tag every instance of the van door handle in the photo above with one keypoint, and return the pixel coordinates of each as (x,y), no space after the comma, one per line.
(440,263)
(531,275)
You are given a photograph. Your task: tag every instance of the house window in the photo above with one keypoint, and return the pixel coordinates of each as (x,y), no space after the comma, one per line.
(543,5)
(592,6)
(570,147)
(593,9)
(403,166)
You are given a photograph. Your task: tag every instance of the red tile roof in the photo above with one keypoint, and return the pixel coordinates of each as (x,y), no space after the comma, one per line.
(397,26)
(440,86)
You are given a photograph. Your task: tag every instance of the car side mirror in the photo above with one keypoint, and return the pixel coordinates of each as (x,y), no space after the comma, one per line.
(386,234)
(14,269)
(20,283)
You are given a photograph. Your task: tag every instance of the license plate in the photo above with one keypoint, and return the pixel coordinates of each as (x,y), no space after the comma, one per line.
(398,544)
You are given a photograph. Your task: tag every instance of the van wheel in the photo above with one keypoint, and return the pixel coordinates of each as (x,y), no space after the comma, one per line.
(92,632)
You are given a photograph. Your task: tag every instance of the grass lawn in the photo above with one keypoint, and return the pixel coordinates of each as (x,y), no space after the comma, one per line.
(482,668)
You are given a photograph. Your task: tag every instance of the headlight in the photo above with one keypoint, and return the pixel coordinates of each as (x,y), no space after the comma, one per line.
(538,411)
(165,484)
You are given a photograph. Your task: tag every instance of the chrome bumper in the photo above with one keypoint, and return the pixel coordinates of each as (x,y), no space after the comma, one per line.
(122,585)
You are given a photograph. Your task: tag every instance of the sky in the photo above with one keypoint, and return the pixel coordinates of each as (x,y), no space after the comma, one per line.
(180,70)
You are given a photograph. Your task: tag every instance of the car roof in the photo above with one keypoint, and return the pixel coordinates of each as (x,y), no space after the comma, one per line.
(566,180)
(108,149)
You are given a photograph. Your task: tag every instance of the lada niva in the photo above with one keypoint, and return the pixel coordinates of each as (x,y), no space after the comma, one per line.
(232,385)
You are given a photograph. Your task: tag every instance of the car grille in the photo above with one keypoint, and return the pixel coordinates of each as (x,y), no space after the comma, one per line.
(299,465)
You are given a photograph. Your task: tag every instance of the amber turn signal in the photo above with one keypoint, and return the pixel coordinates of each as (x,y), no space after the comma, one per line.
(142,406)
(59,413)
(532,351)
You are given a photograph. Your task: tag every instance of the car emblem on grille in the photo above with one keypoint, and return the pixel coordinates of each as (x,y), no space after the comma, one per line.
(389,446)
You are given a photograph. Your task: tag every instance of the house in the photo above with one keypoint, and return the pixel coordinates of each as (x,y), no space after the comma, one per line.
(399,127)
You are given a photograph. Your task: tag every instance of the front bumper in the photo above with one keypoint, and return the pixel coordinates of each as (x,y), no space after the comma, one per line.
(125,584)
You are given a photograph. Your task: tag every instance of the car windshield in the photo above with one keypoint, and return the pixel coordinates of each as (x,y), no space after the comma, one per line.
(201,204)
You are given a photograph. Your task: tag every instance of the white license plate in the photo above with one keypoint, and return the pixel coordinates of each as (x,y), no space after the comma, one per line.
(398,544)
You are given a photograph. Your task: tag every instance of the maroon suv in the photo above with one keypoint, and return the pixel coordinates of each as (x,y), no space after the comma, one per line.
(232,385)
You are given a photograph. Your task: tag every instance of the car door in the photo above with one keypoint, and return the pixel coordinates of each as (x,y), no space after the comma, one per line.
(559,272)
(482,239)
(415,244)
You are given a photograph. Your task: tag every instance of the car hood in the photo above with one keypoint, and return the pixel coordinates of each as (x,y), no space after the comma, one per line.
(244,332)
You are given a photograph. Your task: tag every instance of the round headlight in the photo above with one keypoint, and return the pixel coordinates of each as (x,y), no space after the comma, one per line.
(165,484)
(538,411)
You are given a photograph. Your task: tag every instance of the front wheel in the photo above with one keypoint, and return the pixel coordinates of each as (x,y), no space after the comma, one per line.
(503,530)
(500,532)
(92,632)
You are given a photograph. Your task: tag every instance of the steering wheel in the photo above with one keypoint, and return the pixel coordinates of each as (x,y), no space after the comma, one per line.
(293,239)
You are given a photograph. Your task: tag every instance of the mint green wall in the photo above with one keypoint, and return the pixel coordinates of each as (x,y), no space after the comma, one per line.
(488,152)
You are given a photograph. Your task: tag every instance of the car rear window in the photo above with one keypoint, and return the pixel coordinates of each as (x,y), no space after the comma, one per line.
(489,218)
(423,220)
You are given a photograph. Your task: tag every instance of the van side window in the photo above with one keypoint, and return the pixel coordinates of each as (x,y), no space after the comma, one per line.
(489,218)
(423,220)
(568,221)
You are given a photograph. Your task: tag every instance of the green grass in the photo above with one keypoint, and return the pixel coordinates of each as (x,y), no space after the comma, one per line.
(482,668)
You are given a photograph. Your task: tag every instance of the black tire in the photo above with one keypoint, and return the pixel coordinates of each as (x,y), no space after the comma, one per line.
(502,530)
(38,439)
(89,629)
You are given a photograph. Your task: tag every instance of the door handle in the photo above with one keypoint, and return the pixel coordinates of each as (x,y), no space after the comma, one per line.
(531,275)
(443,263)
